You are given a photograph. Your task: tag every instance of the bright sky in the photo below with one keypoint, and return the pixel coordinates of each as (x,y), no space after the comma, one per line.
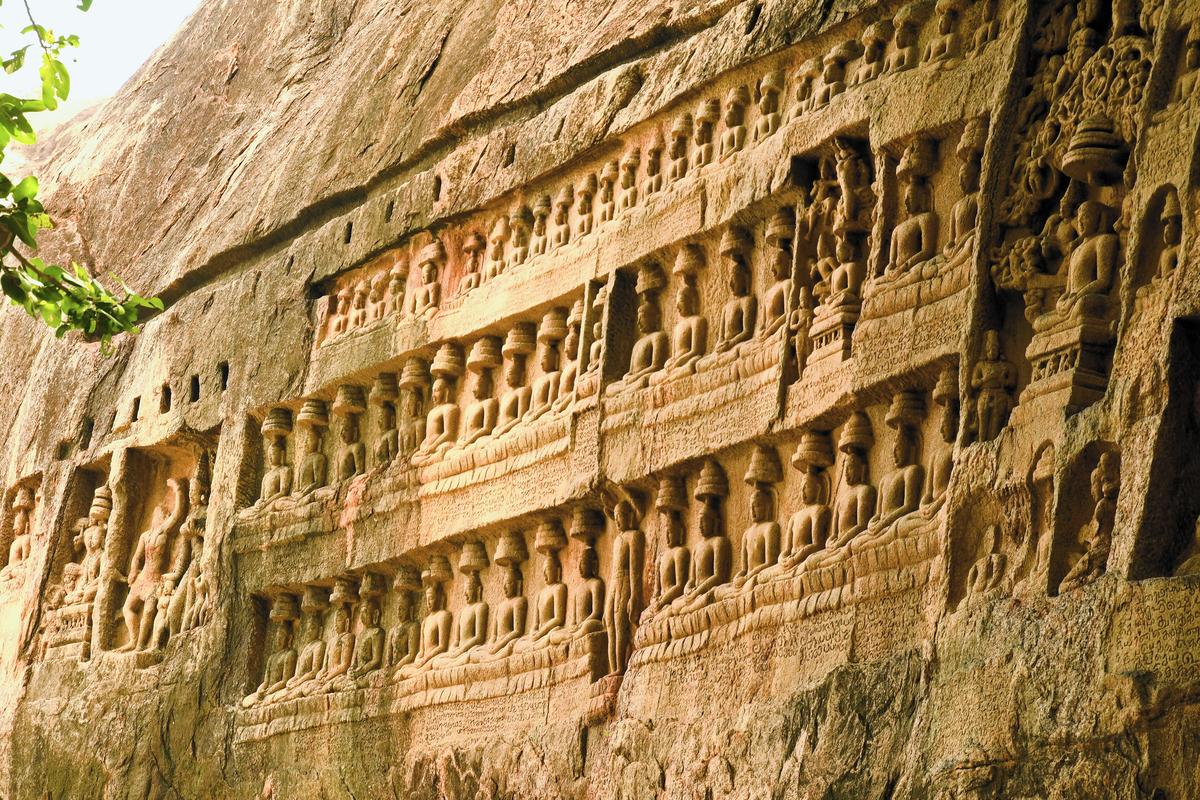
(115,38)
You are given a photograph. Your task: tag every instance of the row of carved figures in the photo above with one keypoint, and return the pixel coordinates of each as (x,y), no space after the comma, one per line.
(713,133)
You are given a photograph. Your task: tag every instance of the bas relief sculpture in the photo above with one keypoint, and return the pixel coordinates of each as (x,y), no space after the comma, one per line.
(919,274)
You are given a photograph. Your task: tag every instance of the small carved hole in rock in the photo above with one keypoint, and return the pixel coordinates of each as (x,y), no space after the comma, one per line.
(349,234)
(63,450)
(437,188)
(195,393)
(752,22)
(164,399)
(85,433)
(223,374)
(137,409)
(389,211)
(510,155)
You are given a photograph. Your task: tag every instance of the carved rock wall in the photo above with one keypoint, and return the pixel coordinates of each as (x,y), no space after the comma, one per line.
(726,400)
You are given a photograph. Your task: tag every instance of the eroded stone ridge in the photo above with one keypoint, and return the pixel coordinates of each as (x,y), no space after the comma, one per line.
(828,432)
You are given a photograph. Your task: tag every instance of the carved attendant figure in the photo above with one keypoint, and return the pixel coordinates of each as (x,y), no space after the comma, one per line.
(992,381)
(92,535)
(148,564)
(22,510)
(624,604)
(1106,483)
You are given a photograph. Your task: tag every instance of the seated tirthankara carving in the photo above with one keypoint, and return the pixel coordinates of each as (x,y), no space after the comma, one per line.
(403,642)
(479,421)
(471,626)
(652,347)
(550,605)
(383,395)
(281,664)
(808,529)
(441,426)
(81,579)
(671,574)
(435,628)
(734,137)
(514,403)
(428,296)
(509,620)
(855,503)
(689,339)
(546,387)
(740,314)
(352,452)
(314,467)
(277,482)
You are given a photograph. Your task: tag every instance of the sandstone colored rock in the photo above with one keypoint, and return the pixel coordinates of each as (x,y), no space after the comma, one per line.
(622,400)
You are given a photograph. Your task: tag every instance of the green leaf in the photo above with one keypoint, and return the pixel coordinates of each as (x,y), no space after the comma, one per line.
(27,189)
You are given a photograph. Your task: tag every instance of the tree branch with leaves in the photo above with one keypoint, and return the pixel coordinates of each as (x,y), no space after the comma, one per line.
(64,298)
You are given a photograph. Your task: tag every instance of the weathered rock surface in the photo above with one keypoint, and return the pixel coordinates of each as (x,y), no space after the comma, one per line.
(619,400)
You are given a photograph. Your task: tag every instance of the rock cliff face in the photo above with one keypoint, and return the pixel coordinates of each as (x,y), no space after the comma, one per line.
(640,400)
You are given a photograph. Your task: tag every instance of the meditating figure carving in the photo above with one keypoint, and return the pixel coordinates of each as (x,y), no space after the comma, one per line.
(514,403)
(441,426)
(428,296)
(874,47)
(340,321)
(689,340)
(606,198)
(762,541)
(944,49)
(624,606)
(992,382)
(473,247)
(964,216)
(397,283)
(281,664)
(808,529)
(777,301)
(1189,80)
(496,258)
(383,395)
(654,176)
(539,240)
(358,307)
(628,196)
(479,421)
(712,556)
(435,628)
(914,240)
(520,224)
(681,133)
(1091,266)
(471,627)
(148,564)
(349,405)
(1097,532)
(368,646)
(509,619)
(987,574)
(833,76)
(339,656)
(312,654)
(1172,235)
(740,313)
(905,51)
(403,642)
(569,374)
(562,215)
(708,113)
(277,482)
(671,574)
(769,118)
(900,491)
(377,299)
(855,505)
(651,349)
(734,137)
(312,420)
(806,78)
(550,605)
(584,202)
(411,427)
(545,388)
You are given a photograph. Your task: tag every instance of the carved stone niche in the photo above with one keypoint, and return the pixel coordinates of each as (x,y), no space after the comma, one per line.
(1167,538)
(1084,517)
(1159,247)
(983,556)
(152,543)
(20,516)
(74,570)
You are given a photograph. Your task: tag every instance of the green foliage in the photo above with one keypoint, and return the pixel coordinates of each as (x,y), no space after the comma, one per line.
(64,299)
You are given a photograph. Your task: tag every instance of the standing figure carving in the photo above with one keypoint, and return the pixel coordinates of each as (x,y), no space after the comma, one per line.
(148,566)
